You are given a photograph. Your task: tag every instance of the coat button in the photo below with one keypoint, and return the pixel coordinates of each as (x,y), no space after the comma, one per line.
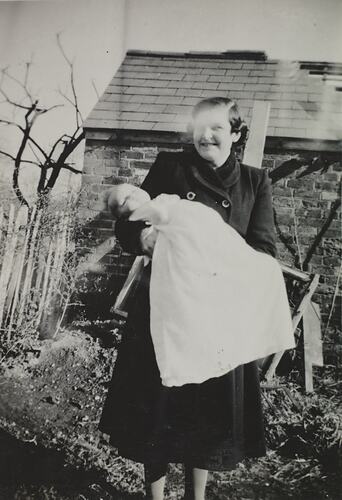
(225,203)
(190,196)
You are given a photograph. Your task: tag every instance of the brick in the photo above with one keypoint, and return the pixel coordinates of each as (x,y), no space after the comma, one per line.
(333,233)
(268,162)
(146,165)
(300,183)
(307,231)
(326,195)
(289,211)
(316,260)
(325,270)
(310,221)
(332,176)
(327,185)
(332,261)
(313,212)
(91,179)
(131,155)
(126,171)
(282,191)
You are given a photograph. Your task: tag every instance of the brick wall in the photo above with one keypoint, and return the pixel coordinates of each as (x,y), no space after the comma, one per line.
(301,207)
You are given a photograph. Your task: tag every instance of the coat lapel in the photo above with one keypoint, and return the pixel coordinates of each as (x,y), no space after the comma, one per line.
(215,181)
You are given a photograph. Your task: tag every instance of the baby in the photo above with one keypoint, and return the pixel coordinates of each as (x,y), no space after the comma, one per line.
(216,302)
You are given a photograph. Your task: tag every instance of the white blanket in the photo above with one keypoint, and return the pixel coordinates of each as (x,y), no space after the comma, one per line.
(216,303)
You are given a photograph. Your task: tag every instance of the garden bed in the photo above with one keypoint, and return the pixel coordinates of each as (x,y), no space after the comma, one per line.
(50,403)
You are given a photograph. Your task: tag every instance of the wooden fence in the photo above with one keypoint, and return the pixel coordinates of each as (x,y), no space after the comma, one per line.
(33,245)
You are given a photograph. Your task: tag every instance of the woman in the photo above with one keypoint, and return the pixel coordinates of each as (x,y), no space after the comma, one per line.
(215,424)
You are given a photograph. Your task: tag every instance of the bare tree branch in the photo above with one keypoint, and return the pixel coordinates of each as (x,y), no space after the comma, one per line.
(94,87)
(23,161)
(30,110)
(78,115)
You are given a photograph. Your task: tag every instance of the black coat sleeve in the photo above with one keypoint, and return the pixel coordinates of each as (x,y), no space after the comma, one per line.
(260,232)
(155,183)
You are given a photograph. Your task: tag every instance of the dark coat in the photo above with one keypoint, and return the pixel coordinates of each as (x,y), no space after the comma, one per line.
(219,422)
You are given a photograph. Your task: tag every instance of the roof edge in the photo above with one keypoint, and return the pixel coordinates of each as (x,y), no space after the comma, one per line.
(158,137)
(247,55)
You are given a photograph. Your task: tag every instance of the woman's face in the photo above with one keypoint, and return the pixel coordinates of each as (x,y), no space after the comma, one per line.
(212,135)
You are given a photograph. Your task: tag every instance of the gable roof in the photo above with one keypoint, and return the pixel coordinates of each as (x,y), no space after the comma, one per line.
(156,91)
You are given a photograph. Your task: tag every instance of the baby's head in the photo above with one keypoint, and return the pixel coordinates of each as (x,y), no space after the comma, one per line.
(123,199)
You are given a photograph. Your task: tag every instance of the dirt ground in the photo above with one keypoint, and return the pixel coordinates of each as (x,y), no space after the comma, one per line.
(50,403)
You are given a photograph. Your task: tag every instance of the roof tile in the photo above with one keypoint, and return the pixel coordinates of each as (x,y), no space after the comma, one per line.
(163,99)
(221,79)
(189,92)
(212,71)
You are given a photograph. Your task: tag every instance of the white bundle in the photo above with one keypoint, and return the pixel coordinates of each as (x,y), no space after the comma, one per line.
(216,303)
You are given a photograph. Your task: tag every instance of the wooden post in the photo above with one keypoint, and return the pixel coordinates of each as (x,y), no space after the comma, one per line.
(297,316)
(254,149)
(313,354)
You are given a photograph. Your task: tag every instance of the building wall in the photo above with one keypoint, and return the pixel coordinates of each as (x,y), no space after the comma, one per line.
(301,207)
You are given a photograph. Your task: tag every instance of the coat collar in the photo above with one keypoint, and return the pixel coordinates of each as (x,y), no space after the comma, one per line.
(216,180)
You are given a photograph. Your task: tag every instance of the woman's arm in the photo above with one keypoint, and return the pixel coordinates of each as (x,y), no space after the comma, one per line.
(131,234)
(260,232)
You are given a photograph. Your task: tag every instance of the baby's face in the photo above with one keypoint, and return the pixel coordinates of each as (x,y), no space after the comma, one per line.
(125,198)
(135,199)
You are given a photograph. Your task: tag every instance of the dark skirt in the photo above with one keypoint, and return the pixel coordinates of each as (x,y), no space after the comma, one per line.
(212,425)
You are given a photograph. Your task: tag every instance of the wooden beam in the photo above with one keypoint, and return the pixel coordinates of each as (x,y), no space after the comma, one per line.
(297,316)
(254,150)
(313,353)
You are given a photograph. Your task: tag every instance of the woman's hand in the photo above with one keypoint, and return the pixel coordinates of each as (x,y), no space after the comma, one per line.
(148,238)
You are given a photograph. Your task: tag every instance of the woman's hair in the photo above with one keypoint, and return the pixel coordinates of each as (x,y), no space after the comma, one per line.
(237,124)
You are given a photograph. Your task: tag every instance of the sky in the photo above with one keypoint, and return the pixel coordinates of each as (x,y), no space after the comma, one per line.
(96,34)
